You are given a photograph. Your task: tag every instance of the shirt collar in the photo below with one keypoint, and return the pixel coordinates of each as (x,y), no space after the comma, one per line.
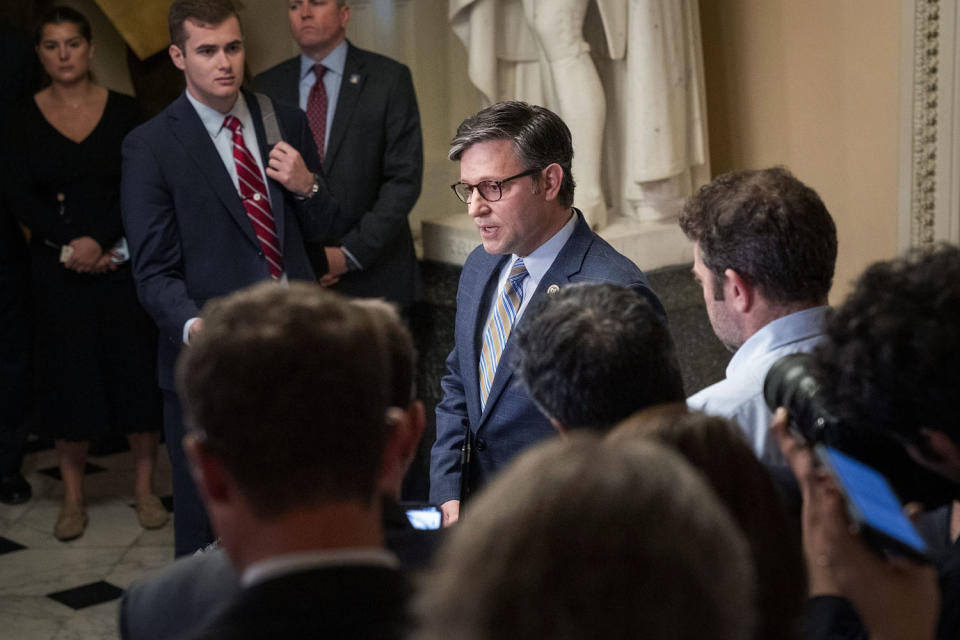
(541,259)
(794,327)
(213,120)
(335,61)
(276,566)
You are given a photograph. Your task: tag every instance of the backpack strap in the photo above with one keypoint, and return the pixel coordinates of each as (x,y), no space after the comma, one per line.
(270,124)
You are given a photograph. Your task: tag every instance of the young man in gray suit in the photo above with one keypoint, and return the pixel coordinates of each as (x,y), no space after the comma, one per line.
(365,122)
(515,179)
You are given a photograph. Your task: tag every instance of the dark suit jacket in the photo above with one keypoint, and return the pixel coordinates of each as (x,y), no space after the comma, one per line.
(190,237)
(510,421)
(348,602)
(182,596)
(373,166)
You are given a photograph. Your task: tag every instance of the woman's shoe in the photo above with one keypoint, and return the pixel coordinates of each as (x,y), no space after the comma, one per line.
(151,512)
(71,523)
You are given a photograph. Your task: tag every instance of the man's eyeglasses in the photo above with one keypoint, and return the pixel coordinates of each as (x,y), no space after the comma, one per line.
(490,190)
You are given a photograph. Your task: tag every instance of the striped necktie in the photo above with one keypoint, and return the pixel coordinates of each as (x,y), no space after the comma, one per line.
(498,329)
(254,194)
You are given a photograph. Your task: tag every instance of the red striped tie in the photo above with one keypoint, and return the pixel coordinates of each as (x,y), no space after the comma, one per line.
(254,194)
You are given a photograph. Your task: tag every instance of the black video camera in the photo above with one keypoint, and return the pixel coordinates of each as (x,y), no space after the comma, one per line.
(792,383)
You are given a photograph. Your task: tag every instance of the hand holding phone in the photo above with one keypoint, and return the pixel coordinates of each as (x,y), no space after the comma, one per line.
(872,506)
(896,597)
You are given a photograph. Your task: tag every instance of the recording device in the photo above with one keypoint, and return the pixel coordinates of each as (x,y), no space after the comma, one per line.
(423,516)
(792,383)
(859,460)
(872,506)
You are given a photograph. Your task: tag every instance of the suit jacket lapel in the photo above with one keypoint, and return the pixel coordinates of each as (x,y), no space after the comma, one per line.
(276,191)
(350,88)
(189,130)
(568,263)
(485,276)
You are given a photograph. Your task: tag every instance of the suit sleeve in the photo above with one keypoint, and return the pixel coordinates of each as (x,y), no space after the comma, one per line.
(402,177)
(832,618)
(452,425)
(150,223)
(320,216)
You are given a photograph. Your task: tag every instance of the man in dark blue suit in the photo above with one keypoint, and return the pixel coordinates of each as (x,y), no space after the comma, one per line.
(288,392)
(363,113)
(188,593)
(209,207)
(515,178)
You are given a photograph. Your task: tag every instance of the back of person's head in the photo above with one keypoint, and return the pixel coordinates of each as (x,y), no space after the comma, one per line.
(403,355)
(540,138)
(289,387)
(716,447)
(889,360)
(595,353)
(580,539)
(205,12)
(770,228)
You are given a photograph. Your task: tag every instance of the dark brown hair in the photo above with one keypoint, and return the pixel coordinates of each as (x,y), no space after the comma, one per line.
(289,387)
(59,15)
(717,448)
(208,12)
(770,228)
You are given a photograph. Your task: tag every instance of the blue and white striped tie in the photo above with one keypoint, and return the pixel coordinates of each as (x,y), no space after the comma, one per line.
(498,329)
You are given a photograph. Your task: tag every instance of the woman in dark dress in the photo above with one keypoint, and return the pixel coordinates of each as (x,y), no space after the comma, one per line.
(95,347)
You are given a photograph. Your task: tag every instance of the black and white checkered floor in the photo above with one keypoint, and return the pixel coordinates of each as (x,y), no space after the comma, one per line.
(55,590)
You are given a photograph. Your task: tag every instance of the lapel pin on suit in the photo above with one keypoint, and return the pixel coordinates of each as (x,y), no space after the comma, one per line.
(552,289)
(354,78)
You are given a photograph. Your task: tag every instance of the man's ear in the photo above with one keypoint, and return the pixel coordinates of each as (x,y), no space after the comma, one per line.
(417,416)
(551,178)
(176,54)
(557,425)
(947,453)
(209,474)
(740,293)
(406,429)
(405,426)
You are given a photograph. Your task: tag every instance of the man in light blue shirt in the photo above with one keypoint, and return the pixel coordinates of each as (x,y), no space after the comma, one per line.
(764,252)
(363,113)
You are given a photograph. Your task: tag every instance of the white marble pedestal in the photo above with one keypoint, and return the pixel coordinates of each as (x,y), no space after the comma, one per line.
(651,245)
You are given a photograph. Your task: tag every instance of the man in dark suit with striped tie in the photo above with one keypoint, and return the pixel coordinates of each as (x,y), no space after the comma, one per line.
(516,181)
(210,207)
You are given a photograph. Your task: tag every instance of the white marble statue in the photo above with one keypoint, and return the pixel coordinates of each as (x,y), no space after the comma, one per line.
(641,131)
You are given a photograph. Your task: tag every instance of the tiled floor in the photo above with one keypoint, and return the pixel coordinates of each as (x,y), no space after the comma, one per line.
(55,590)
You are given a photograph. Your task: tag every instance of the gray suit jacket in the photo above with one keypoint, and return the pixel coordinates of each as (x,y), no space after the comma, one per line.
(179,598)
(510,421)
(373,166)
